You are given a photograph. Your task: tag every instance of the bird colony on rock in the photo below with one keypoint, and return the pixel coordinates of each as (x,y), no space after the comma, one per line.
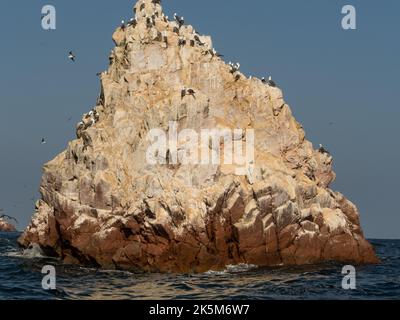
(102,204)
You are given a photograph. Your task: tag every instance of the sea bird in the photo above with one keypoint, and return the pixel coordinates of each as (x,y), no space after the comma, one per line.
(71,56)
(323,150)
(234,67)
(165,37)
(197,38)
(43,141)
(214,53)
(270,82)
(191,92)
(176,30)
(132,22)
(183,92)
(181,41)
(149,22)
(180,20)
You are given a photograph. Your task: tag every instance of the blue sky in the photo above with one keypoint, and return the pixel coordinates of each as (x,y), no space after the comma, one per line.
(328,75)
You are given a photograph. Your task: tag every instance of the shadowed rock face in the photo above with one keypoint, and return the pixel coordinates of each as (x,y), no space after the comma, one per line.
(104,204)
(6,227)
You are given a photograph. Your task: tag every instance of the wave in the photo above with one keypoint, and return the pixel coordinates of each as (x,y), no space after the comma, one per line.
(33,252)
(237,268)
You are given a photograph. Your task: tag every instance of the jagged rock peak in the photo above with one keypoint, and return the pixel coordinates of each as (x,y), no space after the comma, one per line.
(104,203)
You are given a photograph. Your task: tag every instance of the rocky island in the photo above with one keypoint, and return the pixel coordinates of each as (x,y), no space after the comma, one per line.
(6,226)
(103,204)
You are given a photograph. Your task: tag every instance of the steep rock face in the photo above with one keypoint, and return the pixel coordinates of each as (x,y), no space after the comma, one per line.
(6,227)
(104,204)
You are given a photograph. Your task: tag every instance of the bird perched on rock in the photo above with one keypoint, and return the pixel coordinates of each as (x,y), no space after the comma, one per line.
(217,54)
(176,30)
(234,67)
(164,36)
(191,92)
(80,125)
(270,82)
(71,56)
(197,39)
(181,41)
(123,25)
(183,92)
(132,22)
(180,20)
(149,22)
(323,150)
(213,53)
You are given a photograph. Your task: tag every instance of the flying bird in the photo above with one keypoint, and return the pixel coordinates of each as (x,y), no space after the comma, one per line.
(71,56)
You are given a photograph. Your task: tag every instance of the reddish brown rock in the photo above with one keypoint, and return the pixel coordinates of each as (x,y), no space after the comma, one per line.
(104,204)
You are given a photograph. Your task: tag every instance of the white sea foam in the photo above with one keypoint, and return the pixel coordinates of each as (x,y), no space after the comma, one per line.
(33,252)
(238,268)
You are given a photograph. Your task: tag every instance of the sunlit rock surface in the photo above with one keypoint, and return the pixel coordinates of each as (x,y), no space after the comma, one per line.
(103,204)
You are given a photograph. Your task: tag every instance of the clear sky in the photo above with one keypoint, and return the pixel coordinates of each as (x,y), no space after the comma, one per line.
(328,75)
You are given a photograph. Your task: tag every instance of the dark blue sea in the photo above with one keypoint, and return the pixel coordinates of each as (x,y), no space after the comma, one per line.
(21,278)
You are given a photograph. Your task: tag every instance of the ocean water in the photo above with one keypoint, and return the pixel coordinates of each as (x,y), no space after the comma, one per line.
(21,278)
